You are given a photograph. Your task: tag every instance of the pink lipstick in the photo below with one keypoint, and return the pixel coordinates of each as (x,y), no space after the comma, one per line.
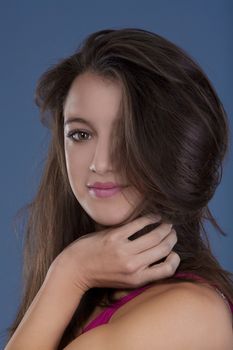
(104,193)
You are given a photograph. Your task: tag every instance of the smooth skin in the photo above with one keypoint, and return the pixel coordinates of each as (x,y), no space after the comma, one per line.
(118,262)
(97,101)
(184,317)
(115,261)
(187,316)
(87,143)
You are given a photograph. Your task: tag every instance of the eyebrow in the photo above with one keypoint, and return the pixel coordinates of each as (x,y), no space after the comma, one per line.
(77,119)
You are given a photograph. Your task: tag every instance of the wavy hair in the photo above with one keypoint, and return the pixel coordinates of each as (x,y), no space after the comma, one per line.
(173,138)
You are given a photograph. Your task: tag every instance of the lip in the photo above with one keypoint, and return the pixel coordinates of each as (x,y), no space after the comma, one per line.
(104,185)
(104,193)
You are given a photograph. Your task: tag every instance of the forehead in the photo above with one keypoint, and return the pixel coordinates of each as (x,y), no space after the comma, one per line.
(93,98)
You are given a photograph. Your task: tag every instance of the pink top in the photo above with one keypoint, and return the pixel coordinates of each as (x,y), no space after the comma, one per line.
(107,313)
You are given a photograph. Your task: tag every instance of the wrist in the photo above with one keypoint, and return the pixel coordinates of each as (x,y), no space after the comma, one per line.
(62,270)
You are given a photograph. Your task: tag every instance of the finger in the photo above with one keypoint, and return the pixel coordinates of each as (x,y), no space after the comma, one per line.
(151,239)
(162,270)
(150,256)
(137,227)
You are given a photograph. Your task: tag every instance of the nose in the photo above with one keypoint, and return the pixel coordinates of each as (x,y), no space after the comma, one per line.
(101,159)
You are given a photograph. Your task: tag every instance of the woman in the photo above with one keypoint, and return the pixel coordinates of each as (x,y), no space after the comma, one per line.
(131,112)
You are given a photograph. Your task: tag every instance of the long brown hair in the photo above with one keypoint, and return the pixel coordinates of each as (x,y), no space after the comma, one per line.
(170,144)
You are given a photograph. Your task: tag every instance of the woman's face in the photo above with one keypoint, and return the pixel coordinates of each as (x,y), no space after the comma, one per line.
(97,101)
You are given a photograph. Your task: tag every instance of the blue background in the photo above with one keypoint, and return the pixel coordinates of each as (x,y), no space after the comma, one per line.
(34,35)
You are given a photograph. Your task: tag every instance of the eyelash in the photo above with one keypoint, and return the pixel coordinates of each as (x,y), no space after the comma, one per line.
(73,132)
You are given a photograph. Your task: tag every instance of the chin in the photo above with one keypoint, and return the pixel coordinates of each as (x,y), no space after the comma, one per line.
(106,224)
(111,222)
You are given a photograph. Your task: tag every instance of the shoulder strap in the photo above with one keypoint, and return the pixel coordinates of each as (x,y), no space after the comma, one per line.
(107,313)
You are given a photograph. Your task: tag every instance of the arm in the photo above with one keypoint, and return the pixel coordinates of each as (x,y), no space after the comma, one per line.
(49,314)
(121,262)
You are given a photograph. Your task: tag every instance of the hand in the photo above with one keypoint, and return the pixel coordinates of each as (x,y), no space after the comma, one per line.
(108,258)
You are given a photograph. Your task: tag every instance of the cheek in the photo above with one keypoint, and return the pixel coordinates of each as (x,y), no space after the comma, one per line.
(76,158)
(77,170)
(135,196)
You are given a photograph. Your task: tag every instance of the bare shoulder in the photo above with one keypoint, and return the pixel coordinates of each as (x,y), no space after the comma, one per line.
(184,316)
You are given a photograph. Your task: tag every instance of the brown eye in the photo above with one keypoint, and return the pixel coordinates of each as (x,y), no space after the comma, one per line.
(81,135)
